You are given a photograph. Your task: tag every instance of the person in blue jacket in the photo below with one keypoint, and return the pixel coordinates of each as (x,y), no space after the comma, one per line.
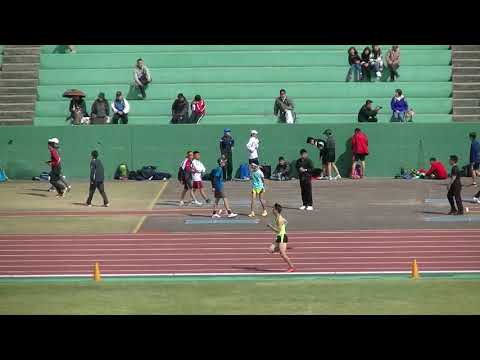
(218,188)
(474,155)
(399,106)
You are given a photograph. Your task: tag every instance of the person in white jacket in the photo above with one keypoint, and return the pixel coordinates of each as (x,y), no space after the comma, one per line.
(198,169)
(120,108)
(252,147)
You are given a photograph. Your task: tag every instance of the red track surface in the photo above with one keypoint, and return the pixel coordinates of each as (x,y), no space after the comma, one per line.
(233,252)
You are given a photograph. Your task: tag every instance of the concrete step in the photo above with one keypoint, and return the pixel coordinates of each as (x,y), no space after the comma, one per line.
(470,110)
(17,114)
(466,86)
(18,83)
(16,121)
(12,90)
(17,99)
(465,47)
(466,62)
(20,59)
(466,78)
(21,51)
(21,67)
(466,94)
(464,70)
(19,75)
(17,107)
(464,102)
(466,118)
(465,55)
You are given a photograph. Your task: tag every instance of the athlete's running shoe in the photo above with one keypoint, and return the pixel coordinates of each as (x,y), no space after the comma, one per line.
(291,269)
(264,213)
(216,216)
(232,215)
(252,214)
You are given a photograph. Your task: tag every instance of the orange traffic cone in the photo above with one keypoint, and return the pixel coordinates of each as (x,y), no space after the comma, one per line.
(415,273)
(96,272)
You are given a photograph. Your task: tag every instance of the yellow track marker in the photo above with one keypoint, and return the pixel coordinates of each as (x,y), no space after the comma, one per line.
(150,207)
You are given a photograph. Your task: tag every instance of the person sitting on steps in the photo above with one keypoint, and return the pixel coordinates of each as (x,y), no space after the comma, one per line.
(100,110)
(141,76)
(121,108)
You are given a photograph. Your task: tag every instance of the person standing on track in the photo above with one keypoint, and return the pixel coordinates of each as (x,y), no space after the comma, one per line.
(198,169)
(330,155)
(281,239)
(474,156)
(218,190)
(97,177)
(304,167)
(56,171)
(185,177)
(455,188)
(258,188)
(252,147)
(359,150)
(226,148)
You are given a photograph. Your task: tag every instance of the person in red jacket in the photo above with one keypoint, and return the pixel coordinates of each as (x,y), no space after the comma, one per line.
(199,110)
(56,172)
(437,170)
(359,150)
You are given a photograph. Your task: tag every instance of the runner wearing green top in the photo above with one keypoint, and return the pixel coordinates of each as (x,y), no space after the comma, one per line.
(281,238)
(258,188)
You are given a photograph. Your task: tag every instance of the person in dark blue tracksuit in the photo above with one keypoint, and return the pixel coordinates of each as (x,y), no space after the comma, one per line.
(474,155)
(97,178)
(226,148)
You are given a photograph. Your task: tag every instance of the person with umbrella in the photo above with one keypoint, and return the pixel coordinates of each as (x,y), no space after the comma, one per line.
(78,107)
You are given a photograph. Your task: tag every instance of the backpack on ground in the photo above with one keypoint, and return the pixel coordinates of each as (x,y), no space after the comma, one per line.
(148,171)
(3,175)
(122,172)
(244,172)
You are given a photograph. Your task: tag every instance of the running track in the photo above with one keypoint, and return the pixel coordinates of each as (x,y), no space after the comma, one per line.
(183,253)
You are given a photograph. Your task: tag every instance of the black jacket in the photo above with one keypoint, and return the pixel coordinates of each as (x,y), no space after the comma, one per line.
(96,171)
(80,105)
(352,59)
(366,115)
(306,164)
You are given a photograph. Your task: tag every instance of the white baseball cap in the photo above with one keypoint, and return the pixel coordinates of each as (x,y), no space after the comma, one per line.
(254,132)
(54,140)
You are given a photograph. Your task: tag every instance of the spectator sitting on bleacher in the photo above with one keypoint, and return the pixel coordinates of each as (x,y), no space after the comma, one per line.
(399,106)
(377,61)
(71,49)
(180,110)
(199,109)
(355,67)
(141,76)
(367,114)
(120,108)
(78,111)
(283,108)
(393,61)
(282,171)
(100,110)
(366,63)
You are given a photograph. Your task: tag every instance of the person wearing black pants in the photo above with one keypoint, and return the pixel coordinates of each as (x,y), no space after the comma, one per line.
(455,188)
(56,169)
(96,179)
(226,148)
(304,167)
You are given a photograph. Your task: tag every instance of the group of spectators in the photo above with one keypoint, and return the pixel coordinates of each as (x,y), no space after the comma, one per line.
(370,62)
(100,111)
(401,112)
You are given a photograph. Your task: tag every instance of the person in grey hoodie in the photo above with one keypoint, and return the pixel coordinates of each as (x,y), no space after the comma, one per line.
(330,155)
(97,177)
(100,110)
(141,76)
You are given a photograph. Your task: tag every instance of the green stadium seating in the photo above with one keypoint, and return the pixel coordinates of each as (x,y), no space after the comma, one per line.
(231,59)
(259,106)
(139,49)
(260,90)
(240,82)
(230,75)
(1,54)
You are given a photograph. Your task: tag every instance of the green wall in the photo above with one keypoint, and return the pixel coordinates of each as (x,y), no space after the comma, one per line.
(23,149)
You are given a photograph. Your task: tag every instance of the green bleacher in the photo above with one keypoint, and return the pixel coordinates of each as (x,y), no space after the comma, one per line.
(240,82)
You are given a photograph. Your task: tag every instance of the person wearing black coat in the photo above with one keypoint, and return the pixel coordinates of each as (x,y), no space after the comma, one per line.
(180,110)
(97,177)
(367,114)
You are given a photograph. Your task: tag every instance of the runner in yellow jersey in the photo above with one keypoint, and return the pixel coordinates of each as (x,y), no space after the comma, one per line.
(281,239)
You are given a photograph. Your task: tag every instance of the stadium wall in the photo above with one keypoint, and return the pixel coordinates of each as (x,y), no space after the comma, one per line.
(23,150)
